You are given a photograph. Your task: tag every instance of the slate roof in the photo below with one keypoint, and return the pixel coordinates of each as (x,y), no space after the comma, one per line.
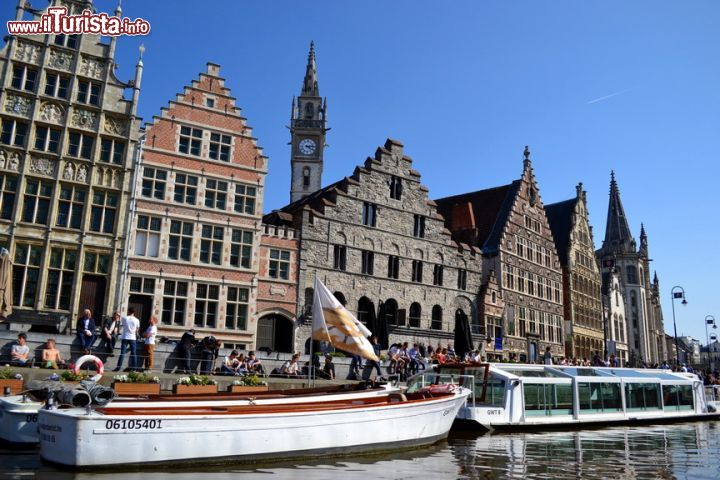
(559,217)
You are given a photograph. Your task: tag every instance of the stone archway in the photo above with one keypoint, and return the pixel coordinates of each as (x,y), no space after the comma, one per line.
(275,332)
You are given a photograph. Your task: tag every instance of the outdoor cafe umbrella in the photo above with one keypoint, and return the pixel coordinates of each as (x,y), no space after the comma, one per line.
(463,337)
(6,291)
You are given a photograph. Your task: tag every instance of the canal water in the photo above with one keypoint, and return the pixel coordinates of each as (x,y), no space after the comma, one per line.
(682,451)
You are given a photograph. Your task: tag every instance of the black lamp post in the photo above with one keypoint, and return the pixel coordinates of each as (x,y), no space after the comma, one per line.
(679,294)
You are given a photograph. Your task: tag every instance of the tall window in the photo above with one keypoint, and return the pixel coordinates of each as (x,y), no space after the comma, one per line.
(88,93)
(174,302)
(102,215)
(111,151)
(26,270)
(206,305)
(339,257)
(367,262)
(395,187)
(13,132)
(8,193)
(510,277)
(180,240)
(219,147)
(237,308)
(61,273)
(211,244)
(522,317)
(153,183)
(186,188)
(47,139)
(80,145)
(415,315)
(216,194)
(24,78)
(419,226)
(494,327)
(631,274)
(36,202)
(393,267)
(306,177)
(462,279)
(417,271)
(56,85)
(147,236)
(241,248)
(369,214)
(438,275)
(70,207)
(190,140)
(245,199)
(436,322)
(279,266)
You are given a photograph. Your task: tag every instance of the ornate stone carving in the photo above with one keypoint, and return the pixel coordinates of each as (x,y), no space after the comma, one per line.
(3,159)
(42,166)
(84,118)
(52,112)
(27,52)
(14,161)
(115,126)
(18,105)
(69,171)
(275,290)
(60,60)
(81,175)
(92,67)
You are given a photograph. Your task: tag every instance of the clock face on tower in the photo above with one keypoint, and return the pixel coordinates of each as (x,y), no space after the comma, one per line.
(307,146)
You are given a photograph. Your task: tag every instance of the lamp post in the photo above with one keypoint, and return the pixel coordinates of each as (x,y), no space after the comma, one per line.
(709,320)
(679,294)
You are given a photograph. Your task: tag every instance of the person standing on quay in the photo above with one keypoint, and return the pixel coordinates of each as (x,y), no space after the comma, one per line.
(150,334)
(130,325)
(187,343)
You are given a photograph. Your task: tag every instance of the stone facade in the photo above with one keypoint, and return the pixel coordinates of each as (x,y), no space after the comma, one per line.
(194,256)
(510,226)
(582,296)
(68,141)
(615,319)
(375,237)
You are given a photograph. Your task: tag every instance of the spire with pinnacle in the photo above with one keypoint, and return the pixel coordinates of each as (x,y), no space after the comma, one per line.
(617,232)
(310,83)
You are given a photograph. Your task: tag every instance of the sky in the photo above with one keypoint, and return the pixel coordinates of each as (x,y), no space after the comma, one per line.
(589,86)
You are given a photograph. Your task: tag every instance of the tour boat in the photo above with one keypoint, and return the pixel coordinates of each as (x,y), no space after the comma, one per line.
(514,396)
(112,435)
(19,413)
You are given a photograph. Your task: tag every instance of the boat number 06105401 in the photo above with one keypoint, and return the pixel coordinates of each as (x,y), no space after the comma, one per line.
(132,424)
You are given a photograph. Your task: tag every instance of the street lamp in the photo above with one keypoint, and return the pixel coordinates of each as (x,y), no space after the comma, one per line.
(709,320)
(678,294)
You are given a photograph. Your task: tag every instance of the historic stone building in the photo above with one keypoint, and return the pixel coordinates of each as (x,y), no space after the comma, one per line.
(509,225)
(582,296)
(619,253)
(69,135)
(614,314)
(194,256)
(377,241)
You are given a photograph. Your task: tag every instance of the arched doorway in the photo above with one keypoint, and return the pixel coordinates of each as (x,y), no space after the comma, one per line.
(275,332)
(365,306)
(391,311)
(340,298)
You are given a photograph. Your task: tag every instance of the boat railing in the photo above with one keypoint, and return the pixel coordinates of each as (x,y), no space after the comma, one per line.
(428,378)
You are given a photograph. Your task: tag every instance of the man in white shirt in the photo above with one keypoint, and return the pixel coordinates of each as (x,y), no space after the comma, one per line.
(130,325)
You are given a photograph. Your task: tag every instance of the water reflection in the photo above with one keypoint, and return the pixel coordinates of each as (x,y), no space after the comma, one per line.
(689,450)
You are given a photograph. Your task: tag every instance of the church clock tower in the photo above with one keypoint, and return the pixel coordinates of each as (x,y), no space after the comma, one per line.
(307,129)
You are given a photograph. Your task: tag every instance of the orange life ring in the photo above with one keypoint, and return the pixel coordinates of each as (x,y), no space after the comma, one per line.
(89,358)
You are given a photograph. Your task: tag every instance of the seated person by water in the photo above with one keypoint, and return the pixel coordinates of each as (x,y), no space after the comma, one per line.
(51,357)
(20,353)
(291,368)
(328,371)
(254,365)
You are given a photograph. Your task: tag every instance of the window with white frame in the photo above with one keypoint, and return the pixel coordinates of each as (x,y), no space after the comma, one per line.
(219,147)
(245,199)
(236,309)
(279,266)
(180,240)
(174,302)
(142,285)
(56,85)
(14,132)
(186,188)
(112,151)
(88,93)
(211,244)
(104,209)
(206,305)
(47,139)
(70,207)
(153,183)
(190,141)
(24,78)
(26,272)
(8,194)
(80,145)
(241,243)
(147,236)
(216,194)
(36,201)
(61,273)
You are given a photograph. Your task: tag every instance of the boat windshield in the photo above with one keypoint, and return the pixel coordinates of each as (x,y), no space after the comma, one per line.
(532,373)
(584,372)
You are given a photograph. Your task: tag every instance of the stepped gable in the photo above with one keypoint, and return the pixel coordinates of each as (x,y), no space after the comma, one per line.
(559,217)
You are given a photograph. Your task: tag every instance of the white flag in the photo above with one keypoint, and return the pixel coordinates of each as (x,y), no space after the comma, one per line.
(334,324)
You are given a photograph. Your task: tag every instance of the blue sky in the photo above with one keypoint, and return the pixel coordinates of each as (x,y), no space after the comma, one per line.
(590,86)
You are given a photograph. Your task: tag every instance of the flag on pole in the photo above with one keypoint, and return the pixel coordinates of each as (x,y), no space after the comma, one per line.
(334,324)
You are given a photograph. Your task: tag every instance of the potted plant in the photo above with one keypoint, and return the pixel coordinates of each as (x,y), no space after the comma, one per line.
(248,384)
(195,385)
(13,380)
(69,376)
(136,383)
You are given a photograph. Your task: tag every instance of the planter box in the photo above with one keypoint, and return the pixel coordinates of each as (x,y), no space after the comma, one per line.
(15,385)
(194,389)
(135,389)
(247,389)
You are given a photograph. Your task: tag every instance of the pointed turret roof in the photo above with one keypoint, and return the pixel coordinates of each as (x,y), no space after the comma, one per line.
(310,83)
(617,232)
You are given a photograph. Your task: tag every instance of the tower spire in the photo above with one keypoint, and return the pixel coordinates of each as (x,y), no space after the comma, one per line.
(310,83)
(617,232)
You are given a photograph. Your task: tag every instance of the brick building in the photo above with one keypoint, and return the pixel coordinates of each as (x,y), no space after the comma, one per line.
(69,135)
(509,225)
(194,255)
(582,296)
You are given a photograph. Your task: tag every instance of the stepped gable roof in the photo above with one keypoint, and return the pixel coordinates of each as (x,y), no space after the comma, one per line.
(491,208)
(559,217)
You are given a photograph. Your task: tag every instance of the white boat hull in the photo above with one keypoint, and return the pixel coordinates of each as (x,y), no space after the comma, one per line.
(75,438)
(18,419)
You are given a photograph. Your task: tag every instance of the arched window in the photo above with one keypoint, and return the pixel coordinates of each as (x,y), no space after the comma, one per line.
(436,323)
(493,297)
(309,110)
(306,177)
(309,296)
(365,306)
(415,313)
(340,298)
(631,274)
(391,311)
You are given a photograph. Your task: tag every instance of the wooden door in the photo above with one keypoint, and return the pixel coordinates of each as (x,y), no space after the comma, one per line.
(92,296)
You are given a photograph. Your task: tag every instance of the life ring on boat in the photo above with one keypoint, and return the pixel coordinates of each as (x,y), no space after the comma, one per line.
(89,358)
(439,389)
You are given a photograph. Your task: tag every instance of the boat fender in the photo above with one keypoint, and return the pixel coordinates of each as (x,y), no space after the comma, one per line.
(90,358)
(439,389)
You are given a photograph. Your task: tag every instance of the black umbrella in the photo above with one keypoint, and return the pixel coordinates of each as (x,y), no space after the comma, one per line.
(463,337)
(380,329)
